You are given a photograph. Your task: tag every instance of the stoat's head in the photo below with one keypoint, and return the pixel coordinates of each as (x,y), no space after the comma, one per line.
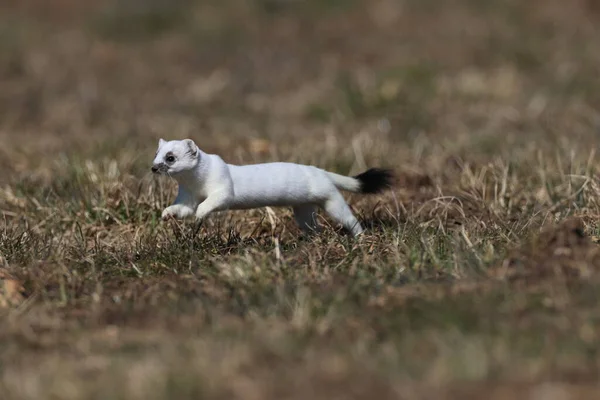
(175,156)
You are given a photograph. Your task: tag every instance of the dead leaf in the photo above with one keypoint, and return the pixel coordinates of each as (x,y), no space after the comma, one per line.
(12,292)
(260,146)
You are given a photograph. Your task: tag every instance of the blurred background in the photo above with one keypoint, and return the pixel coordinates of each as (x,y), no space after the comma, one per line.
(272,79)
(486,109)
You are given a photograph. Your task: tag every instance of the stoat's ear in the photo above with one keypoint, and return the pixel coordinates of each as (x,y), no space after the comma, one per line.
(161,141)
(192,148)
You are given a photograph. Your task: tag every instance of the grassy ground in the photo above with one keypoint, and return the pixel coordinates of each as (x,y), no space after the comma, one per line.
(479,276)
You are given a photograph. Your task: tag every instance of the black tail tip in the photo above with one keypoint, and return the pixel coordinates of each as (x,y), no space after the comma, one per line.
(375,180)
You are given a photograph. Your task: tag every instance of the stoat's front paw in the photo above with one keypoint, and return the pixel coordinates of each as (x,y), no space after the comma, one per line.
(172,212)
(200,215)
(167,215)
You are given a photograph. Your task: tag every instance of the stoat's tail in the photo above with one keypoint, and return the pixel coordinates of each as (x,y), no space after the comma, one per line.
(373,180)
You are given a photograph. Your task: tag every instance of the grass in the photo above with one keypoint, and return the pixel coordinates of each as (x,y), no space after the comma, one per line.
(478,274)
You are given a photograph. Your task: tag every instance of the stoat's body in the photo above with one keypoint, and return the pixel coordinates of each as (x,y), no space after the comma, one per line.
(207,184)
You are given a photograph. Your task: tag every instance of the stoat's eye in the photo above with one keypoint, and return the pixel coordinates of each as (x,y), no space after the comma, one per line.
(170,158)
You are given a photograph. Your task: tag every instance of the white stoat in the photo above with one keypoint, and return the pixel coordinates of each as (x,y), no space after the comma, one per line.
(207,184)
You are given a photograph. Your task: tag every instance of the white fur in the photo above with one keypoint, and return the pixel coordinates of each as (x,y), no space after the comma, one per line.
(207,184)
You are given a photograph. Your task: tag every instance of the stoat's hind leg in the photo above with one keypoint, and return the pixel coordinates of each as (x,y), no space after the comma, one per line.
(306,218)
(337,209)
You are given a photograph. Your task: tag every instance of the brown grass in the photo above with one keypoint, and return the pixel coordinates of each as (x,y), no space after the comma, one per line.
(478,277)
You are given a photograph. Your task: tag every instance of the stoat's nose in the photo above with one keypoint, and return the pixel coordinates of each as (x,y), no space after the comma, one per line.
(155,169)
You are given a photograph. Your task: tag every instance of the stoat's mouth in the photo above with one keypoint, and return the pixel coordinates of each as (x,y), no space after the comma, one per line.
(160,169)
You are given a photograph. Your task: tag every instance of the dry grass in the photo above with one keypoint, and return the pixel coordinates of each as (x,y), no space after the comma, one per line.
(479,274)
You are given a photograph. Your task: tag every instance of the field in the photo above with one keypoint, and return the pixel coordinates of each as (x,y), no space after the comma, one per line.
(478,276)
